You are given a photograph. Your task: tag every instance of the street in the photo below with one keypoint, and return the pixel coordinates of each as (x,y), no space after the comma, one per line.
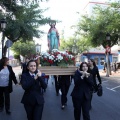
(106,107)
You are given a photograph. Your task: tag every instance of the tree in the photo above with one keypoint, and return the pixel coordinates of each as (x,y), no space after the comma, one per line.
(103,20)
(24,48)
(23,21)
(81,44)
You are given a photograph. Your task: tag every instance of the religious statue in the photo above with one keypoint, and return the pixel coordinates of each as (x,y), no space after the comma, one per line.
(53,37)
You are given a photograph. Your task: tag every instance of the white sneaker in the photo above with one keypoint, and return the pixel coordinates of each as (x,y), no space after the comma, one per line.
(62,107)
(60,92)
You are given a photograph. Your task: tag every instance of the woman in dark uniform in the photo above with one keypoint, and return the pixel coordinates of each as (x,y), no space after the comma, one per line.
(32,83)
(95,72)
(81,95)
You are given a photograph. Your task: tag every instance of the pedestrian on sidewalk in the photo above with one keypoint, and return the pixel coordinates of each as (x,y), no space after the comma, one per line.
(95,72)
(6,77)
(115,66)
(105,66)
(33,83)
(83,81)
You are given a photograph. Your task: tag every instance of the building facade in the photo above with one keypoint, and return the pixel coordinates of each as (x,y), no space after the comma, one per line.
(98,54)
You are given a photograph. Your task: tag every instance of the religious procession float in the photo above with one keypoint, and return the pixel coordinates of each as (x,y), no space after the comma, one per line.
(57,63)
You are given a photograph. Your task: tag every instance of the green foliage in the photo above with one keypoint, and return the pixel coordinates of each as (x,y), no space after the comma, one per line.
(23,21)
(103,20)
(44,63)
(17,56)
(66,44)
(80,43)
(26,23)
(62,63)
(24,48)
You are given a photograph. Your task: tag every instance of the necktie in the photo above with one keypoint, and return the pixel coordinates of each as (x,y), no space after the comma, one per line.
(32,76)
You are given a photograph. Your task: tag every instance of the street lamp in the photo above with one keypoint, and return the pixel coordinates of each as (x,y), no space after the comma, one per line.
(3,26)
(107,53)
(38,48)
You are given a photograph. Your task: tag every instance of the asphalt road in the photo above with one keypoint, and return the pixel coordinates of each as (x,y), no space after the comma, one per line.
(106,107)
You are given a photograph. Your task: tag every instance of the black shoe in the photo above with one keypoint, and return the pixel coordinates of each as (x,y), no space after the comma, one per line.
(1,109)
(8,112)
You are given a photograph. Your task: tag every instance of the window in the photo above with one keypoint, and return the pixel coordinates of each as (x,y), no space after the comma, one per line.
(102,60)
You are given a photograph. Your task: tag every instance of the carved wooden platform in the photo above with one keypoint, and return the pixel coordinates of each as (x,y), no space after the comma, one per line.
(56,70)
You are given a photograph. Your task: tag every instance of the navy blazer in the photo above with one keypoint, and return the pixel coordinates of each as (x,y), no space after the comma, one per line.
(64,80)
(32,87)
(11,77)
(82,86)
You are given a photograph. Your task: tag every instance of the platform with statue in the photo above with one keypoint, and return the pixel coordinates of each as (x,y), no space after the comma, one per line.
(57,63)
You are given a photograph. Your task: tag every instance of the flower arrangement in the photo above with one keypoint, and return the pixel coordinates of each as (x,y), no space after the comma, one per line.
(57,58)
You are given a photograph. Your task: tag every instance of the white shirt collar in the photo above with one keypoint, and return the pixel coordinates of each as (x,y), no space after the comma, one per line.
(32,73)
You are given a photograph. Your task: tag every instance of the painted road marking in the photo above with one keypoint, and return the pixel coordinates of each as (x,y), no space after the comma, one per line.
(104,81)
(113,89)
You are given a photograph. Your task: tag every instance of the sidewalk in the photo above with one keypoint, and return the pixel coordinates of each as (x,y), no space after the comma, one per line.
(103,74)
(17,70)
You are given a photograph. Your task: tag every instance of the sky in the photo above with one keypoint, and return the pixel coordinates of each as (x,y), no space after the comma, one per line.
(65,11)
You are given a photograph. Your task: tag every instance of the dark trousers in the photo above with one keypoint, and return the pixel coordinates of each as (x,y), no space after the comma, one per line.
(34,112)
(81,104)
(4,98)
(64,90)
(57,86)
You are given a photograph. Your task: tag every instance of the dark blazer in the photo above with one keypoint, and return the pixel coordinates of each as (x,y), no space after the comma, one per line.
(11,77)
(82,86)
(95,74)
(64,80)
(32,89)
